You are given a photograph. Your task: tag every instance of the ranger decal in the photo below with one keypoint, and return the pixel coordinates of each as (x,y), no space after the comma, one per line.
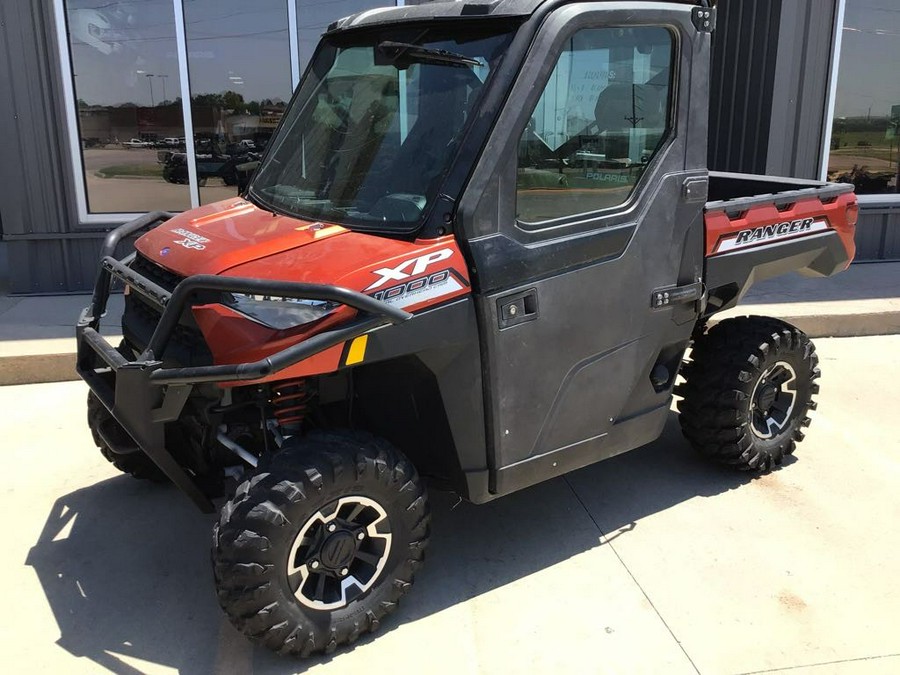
(770,233)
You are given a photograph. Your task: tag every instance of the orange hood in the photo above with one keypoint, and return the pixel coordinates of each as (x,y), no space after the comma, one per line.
(236,238)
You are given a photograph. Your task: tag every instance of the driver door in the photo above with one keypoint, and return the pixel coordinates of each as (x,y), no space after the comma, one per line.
(591,218)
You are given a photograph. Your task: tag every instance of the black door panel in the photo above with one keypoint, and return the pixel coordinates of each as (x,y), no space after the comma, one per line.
(571,373)
(590,374)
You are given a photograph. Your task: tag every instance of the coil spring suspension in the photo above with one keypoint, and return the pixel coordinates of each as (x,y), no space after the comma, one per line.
(290,400)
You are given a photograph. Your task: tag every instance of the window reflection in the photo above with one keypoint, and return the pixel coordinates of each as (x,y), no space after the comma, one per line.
(600,120)
(313,17)
(865,138)
(239,60)
(125,67)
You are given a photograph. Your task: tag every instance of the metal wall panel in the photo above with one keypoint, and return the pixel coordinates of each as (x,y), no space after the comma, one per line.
(869,234)
(800,88)
(743,75)
(35,173)
(878,234)
(54,265)
(891,250)
(32,143)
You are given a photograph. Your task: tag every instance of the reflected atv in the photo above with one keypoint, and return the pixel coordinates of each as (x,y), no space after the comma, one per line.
(226,167)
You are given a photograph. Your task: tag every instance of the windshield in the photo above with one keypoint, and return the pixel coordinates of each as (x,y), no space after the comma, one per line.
(376,124)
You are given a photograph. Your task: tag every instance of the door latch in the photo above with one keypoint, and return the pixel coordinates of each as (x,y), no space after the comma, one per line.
(704,19)
(519,308)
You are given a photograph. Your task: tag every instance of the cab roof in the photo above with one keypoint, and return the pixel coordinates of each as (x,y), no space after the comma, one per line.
(452,10)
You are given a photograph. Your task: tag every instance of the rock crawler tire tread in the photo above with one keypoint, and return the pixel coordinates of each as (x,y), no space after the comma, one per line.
(255,530)
(725,364)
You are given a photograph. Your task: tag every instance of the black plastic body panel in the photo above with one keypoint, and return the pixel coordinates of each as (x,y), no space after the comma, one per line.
(445,342)
(731,275)
(625,435)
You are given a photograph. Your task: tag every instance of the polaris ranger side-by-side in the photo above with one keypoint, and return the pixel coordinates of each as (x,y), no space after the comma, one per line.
(477,250)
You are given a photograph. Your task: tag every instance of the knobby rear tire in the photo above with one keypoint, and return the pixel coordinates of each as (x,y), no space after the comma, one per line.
(727,364)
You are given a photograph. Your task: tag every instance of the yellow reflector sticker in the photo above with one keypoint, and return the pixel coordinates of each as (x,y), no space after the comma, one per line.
(357,351)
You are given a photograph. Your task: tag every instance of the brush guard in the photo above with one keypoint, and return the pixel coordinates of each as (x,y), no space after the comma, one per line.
(143,395)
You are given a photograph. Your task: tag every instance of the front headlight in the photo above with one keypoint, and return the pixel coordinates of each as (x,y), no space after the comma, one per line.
(280,313)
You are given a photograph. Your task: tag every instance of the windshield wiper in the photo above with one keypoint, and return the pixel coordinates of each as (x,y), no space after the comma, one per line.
(406,53)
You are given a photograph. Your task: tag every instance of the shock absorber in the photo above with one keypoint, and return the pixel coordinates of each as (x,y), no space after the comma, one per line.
(290,400)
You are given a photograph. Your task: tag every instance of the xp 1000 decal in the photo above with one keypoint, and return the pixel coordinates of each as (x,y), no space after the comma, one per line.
(414,289)
(769,233)
(422,289)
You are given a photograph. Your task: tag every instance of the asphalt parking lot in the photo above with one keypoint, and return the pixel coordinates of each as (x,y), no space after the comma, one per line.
(652,562)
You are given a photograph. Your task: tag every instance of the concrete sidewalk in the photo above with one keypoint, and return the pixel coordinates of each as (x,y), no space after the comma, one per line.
(37,343)
(37,336)
(650,563)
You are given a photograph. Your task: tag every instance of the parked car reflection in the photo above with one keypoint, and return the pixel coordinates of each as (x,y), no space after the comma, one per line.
(225,167)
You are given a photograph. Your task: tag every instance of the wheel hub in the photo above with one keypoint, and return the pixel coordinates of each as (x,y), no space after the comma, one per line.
(339,553)
(767,397)
(338,550)
(773,399)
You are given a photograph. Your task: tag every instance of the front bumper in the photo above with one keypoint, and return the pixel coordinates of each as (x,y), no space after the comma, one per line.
(143,395)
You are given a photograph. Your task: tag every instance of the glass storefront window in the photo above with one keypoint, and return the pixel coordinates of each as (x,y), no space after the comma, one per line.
(240,75)
(125,73)
(865,138)
(126,96)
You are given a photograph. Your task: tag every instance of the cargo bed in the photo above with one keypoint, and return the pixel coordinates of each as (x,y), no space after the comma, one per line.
(734,192)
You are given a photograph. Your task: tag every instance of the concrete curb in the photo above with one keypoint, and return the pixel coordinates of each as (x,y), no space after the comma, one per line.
(40,361)
(37,369)
(830,325)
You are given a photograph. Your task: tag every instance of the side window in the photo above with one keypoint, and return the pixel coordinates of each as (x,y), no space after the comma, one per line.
(602,117)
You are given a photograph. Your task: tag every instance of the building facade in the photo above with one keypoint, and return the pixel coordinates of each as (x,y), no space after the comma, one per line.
(115,108)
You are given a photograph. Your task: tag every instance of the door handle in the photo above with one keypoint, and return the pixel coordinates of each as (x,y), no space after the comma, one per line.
(517,309)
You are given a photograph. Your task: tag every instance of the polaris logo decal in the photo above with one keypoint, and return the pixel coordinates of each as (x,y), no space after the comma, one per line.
(608,177)
(415,266)
(419,290)
(770,233)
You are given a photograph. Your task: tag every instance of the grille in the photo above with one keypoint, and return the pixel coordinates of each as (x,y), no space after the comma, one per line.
(187,346)
(155,273)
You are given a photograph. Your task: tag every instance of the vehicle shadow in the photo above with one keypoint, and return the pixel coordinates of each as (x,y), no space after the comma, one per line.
(125,566)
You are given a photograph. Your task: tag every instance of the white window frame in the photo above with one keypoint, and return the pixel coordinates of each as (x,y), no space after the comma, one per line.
(76,160)
(836,44)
